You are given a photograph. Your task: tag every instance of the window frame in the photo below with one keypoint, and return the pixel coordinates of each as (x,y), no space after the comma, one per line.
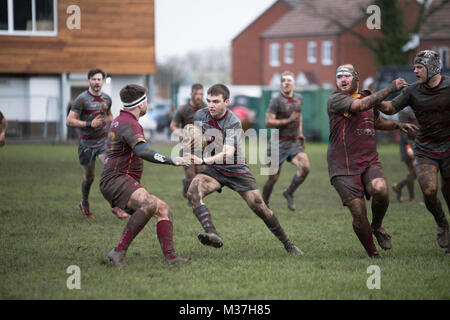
(310,58)
(33,31)
(327,46)
(289,59)
(274,46)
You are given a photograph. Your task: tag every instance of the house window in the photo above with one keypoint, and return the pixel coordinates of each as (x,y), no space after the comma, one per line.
(312,52)
(274,54)
(444,53)
(288,53)
(28,17)
(326,53)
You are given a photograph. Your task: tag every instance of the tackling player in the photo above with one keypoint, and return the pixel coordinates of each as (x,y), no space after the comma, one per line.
(121,176)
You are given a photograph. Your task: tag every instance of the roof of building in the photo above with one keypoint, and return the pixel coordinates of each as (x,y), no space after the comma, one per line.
(312,17)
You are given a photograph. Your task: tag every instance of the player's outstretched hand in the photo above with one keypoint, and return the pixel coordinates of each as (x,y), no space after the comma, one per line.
(178,161)
(408,127)
(398,84)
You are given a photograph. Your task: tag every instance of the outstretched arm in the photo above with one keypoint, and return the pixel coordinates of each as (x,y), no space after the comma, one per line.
(386,124)
(360,105)
(144,151)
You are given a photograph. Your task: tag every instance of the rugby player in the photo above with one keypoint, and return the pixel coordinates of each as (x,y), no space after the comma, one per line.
(429,97)
(226,166)
(352,156)
(184,116)
(4,126)
(91,112)
(284,113)
(121,176)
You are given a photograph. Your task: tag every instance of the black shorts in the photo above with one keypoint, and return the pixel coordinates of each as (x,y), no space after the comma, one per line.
(352,187)
(88,155)
(442,164)
(117,190)
(244,182)
(287,150)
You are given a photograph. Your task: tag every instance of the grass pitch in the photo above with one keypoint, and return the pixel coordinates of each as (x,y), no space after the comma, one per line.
(42,233)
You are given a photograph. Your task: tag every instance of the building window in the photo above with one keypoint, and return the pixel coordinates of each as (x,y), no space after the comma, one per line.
(326,53)
(274,54)
(28,17)
(288,53)
(444,53)
(312,52)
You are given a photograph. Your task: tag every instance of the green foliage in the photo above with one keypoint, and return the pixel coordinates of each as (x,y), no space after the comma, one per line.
(42,233)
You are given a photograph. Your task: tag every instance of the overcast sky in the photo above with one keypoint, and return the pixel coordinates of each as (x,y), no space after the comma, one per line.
(191,25)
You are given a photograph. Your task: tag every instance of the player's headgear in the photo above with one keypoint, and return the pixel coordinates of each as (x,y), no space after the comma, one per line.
(346,71)
(133,95)
(130,105)
(430,60)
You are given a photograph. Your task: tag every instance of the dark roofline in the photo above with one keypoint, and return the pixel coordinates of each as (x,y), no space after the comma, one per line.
(296,35)
(254,20)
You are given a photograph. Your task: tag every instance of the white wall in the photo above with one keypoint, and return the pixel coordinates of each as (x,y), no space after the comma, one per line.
(43,91)
(13,99)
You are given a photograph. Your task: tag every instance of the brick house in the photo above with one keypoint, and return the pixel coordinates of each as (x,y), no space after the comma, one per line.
(304,41)
(246,47)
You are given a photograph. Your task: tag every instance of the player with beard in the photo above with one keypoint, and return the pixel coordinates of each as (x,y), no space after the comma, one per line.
(226,166)
(284,113)
(91,112)
(121,176)
(184,116)
(352,156)
(429,97)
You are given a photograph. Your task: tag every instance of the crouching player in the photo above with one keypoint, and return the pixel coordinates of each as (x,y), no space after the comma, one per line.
(120,179)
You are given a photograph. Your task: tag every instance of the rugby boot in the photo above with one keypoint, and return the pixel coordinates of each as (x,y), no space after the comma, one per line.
(442,237)
(177,260)
(118,258)
(292,249)
(376,255)
(119,213)
(87,213)
(290,200)
(210,239)
(383,238)
(398,192)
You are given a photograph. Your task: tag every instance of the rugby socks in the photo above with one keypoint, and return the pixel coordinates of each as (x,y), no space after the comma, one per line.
(203,215)
(137,222)
(275,227)
(164,230)
(295,183)
(379,208)
(410,184)
(85,188)
(435,208)
(267,191)
(364,234)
